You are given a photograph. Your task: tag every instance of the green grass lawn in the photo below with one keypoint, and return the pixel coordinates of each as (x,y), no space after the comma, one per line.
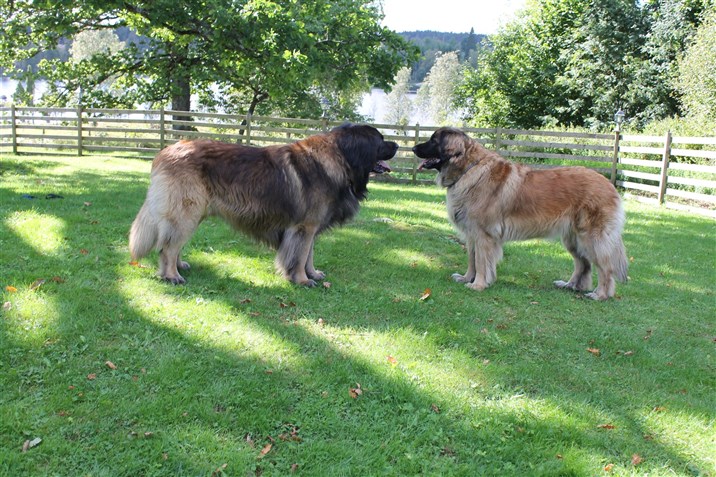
(241,373)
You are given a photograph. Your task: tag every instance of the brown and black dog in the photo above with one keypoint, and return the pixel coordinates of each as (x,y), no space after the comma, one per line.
(282,195)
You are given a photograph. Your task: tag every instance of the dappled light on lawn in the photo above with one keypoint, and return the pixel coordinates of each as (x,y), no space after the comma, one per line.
(42,232)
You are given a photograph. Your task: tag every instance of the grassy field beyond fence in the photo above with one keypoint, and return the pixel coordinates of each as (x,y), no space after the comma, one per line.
(389,369)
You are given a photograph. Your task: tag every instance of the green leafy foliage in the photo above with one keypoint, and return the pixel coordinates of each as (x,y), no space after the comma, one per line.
(575,62)
(237,54)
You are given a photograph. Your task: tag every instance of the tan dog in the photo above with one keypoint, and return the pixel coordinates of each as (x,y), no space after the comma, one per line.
(491,200)
(283,196)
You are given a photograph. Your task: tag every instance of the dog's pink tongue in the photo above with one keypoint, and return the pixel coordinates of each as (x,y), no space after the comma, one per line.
(384,165)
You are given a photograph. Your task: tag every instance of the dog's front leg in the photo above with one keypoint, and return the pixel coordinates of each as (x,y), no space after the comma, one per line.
(470,273)
(293,254)
(311,272)
(487,253)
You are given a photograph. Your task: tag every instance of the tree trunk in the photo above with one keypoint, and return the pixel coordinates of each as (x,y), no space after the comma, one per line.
(181,99)
(257,98)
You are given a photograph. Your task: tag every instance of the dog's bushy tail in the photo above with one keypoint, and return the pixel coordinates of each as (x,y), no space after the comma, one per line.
(143,234)
(618,256)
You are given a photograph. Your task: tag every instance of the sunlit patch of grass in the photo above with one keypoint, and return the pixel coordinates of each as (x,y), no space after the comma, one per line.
(43,233)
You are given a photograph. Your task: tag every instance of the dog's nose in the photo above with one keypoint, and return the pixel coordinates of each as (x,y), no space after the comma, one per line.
(414,148)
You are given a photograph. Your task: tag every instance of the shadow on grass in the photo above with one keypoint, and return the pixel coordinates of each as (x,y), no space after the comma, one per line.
(188,396)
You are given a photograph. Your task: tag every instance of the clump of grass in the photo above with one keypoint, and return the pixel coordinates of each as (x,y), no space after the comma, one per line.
(239,372)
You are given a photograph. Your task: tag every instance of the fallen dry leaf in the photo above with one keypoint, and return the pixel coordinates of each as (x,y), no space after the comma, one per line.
(426,294)
(659,409)
(110,365)
(7,306)
(294,468)
(607,426)
(84,251)
(29,444)
(245,301)
(636,459)
(392,360)
(321,322)
(87,204)
(594,351)
(355,392)
(57,279)
(37,284)
(137,264)
(10,289)
(435,408)
(559,456)
(608,467)
(92,376)
(327,284)
(265,450)
(219,470)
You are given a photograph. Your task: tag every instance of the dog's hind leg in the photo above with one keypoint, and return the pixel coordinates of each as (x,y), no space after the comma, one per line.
(606,285)
(581,278)
(611,263)
(172,239)
(293,254)
(469,275)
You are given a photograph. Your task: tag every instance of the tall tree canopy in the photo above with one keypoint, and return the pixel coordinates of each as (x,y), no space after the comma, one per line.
(240,54)
(575,62)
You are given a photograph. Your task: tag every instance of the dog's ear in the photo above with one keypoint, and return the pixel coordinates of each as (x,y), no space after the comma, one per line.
(452,144)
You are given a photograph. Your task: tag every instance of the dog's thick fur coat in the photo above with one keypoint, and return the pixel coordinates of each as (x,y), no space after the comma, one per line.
(491,200)
(283,196)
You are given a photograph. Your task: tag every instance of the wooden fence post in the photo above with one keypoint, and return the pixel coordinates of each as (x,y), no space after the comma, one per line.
(13,128)
(665,167)
(248,129)
(615,156)
(79,129)
(162,128)
(415,160)
(498,139)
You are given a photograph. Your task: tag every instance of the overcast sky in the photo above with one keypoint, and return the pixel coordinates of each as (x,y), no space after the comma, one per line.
(449,15)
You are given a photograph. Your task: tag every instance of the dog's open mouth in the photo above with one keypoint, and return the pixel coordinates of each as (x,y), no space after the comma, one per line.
(431,163)
(381,167)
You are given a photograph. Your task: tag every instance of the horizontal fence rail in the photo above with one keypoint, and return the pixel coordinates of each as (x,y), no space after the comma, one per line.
(673,170)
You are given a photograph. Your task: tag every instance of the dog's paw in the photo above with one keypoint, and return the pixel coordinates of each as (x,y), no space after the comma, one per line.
(563,284)
(596,296)
(317,275)
(309,283)
(476,286)
(177,280)
(461,278)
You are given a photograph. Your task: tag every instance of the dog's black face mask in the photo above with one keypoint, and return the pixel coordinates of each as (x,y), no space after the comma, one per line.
(442,146)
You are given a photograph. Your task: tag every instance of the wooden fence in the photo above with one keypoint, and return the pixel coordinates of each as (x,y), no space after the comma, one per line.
(676,171)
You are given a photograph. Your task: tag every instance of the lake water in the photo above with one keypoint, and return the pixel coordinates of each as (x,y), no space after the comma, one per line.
(372,105)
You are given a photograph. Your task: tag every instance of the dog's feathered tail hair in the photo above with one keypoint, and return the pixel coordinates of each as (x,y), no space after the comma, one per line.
(143,234)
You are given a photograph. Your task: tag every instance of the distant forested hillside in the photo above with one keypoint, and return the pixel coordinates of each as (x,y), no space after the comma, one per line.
(432,43)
